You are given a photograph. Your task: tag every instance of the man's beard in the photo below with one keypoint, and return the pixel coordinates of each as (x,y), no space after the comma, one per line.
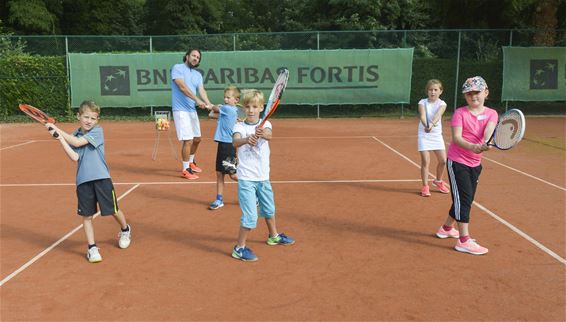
(191,64)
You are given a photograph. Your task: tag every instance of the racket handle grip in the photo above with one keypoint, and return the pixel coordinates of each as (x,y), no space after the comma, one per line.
(55,134)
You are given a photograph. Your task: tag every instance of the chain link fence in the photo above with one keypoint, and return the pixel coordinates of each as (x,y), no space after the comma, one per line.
(449,55)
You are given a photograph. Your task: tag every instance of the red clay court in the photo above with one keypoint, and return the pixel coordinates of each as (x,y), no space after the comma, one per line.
(346,189)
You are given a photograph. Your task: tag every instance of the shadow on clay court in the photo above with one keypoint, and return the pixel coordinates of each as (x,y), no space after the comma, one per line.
(186,238)
(34,237)
(342,225)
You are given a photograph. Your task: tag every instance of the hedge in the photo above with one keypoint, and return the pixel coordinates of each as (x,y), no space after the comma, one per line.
(40,81)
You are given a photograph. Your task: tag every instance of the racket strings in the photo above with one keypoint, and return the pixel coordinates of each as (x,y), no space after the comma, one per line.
(276,94)
(509,131)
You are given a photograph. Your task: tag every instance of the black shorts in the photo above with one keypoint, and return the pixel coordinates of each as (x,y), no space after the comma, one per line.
(225,152)
(98,191)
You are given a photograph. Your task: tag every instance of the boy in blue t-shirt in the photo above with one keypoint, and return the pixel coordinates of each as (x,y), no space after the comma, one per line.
(227,116)
(94,185)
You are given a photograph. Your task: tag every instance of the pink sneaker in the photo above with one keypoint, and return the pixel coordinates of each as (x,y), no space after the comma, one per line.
(425,191)
(441,186)
(471,247)
(452,233)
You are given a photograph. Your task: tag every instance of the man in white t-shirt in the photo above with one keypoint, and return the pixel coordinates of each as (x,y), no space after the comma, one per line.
(186,82)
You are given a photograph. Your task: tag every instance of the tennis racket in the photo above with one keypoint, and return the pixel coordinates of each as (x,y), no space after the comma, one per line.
(426,113)
(241,113)
(509,130)
(38,115)
(275,96)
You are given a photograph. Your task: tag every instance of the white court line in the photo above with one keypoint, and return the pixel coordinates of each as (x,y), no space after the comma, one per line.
(493,215)
(522,234)
(526,174)
(208,182)
(48,249)
(13,146)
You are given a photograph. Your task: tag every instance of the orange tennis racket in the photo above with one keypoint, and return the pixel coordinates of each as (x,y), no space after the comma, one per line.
(38,115)
(275,96)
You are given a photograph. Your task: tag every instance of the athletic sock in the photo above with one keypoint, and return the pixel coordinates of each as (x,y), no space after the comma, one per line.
(464,239)
(219,197)
(91,246)
(191,158)
(185,165)
(126,229)
(446,228)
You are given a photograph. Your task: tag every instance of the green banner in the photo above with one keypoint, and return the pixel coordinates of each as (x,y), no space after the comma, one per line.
(323,77)
(534,74)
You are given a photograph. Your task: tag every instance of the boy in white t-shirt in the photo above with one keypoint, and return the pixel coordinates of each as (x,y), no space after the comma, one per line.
(252,144)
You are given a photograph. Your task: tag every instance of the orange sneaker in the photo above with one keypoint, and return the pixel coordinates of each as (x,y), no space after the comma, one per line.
(425,191)
(194,167)
(441,186)
(188,174)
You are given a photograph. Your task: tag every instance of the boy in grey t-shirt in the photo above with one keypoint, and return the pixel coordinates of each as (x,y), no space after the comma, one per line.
(94,185)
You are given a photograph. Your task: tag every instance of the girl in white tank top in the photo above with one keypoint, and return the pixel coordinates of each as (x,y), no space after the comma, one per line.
(430,137)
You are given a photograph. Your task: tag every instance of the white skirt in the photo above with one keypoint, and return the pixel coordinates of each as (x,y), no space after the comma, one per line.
(430,141)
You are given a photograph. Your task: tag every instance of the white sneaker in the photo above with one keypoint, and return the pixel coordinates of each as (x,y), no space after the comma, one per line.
(93,255)
(124,238)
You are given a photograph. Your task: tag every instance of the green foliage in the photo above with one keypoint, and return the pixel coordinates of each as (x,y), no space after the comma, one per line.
(94,17)
(182,17)
(8,46)
(178,17)
(32,16)
(36,80)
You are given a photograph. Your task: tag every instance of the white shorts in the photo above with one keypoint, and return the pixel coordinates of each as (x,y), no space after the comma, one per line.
(187,125)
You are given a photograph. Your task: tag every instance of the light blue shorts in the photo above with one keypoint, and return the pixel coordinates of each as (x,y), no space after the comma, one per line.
(248,193)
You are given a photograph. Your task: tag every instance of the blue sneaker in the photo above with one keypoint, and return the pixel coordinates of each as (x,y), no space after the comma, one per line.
(281,239)
(245,254)
(216,204)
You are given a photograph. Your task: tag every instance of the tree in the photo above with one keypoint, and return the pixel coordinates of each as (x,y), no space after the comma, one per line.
(173,17)
(546,20)
(100,17)
(354,15)
(33,16)
(9,46)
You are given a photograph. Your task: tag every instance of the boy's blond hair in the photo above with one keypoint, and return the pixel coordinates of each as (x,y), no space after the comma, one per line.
(253,95)
(431,82)
(234,90)
(89,105)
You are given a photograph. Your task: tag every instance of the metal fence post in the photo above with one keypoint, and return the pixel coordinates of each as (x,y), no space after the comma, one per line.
(404,45)
(68,71)
(457,70)
(150,44)
(510,44)
(317,48)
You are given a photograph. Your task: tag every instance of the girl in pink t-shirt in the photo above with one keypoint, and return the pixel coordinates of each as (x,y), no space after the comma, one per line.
(472,126)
